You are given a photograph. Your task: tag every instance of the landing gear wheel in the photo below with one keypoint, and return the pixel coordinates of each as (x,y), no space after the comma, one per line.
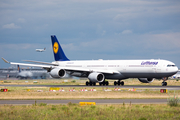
(104,83)
(107,83)
(119,83)
(115,83)
(122,83)
(100,84)
(164,83)
(87,83)
(90,83)
(94,84)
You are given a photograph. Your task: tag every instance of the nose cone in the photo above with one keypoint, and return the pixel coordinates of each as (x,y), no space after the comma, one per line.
(172,67)
(176,69)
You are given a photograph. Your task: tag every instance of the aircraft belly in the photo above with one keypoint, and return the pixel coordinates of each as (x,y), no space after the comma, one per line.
(148,75)
(115,76)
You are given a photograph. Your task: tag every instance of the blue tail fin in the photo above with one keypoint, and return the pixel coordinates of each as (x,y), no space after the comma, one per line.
(19,69)
(57,50)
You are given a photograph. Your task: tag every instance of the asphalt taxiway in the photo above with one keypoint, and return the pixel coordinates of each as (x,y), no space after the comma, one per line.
(109,86)
(98,101)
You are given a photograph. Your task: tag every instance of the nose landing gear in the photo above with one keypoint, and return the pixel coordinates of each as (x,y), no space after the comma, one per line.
(164,83)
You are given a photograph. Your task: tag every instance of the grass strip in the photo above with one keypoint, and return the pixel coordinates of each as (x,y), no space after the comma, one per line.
(98,112)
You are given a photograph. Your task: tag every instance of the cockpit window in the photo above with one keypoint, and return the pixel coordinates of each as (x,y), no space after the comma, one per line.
(171,65)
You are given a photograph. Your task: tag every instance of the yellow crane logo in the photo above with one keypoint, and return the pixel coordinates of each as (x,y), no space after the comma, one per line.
(55,47)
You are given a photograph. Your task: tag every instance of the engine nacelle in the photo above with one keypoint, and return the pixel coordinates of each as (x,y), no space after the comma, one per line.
(58,73)
(96,77)
(146,80)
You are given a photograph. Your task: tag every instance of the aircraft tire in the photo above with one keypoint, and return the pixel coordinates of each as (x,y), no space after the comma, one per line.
(119,83)
(107,83)
(100,84)
(164,83)
(122,83)
(87,83)
(94,84)
(115,83)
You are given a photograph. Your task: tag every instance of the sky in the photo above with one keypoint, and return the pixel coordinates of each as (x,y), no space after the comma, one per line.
(90,29)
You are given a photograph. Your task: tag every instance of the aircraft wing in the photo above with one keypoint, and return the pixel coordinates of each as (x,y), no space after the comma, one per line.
(33,65)
(79,69)
(41,62)
(49,66)
(25,64)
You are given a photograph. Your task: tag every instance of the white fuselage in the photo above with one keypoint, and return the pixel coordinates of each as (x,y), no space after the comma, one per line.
(125,68)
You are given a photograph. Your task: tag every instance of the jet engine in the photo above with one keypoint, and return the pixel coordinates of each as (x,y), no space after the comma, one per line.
(96,77)
(146,80)
(58,73)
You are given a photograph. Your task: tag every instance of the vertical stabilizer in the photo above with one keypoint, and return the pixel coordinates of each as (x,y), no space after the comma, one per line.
(57,50)
(19,68)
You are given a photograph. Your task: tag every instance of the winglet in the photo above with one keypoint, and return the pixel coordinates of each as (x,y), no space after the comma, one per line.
(5,60)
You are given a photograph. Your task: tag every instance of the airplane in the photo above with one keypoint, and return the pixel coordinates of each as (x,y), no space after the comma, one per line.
(99,70)
(176,76)
(23,74)
(32,74)
(40,50)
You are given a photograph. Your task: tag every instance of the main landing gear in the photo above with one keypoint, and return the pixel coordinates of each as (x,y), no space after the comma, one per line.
(104,83)
(164,83)
(118,83)
(90,83)
(94,84)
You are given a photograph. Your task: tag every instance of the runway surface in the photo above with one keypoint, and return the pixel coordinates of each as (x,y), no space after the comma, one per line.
(110,86)
(98,101)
